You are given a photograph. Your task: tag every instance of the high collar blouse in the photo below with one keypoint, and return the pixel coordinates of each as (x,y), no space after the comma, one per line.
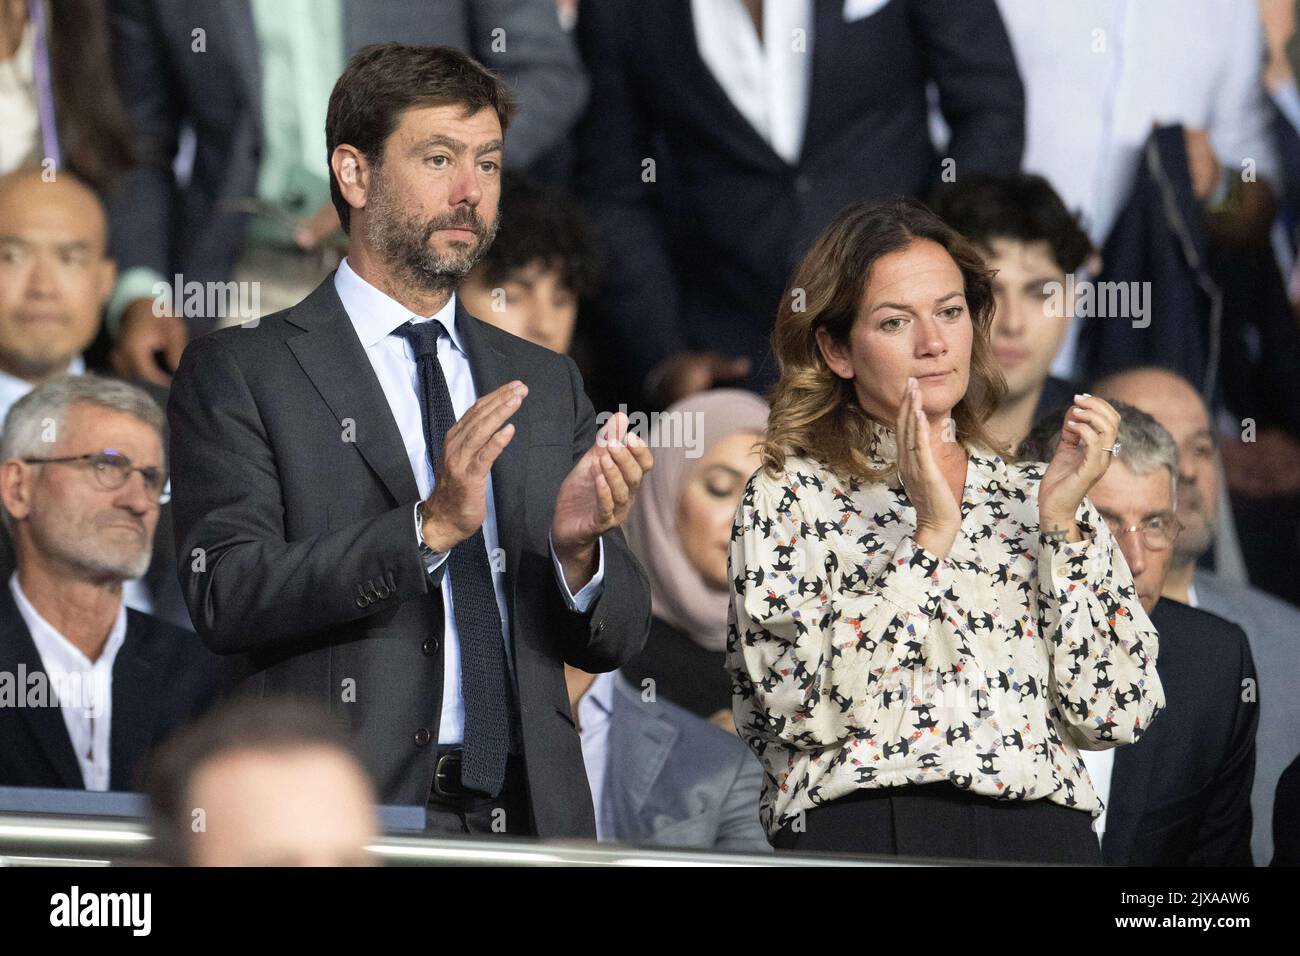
(860,659)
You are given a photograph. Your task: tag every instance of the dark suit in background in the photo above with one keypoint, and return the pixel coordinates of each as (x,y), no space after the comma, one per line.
(699,257)
(170,226)
(1181,795)
(313,582)
(162,677)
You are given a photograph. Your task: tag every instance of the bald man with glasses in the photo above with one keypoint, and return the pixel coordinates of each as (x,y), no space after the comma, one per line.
(88,686)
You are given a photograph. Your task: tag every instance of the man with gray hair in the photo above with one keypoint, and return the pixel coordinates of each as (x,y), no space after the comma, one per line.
(1181,795)
(1272,625)
(87,686)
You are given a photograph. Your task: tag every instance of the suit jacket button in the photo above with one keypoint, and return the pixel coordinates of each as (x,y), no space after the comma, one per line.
(383,590)
(362,600)
(600,626)
(422,737)
(430,646)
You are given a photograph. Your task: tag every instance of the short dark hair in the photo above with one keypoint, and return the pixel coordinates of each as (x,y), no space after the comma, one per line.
(241,724)
(540,224)
(1022,208)
(383,80)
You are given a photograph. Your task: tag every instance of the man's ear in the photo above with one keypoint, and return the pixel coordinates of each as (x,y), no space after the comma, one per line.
(16,488)
(835,354)
(353,174)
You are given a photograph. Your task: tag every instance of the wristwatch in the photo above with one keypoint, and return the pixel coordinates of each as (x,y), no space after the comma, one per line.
(426,552)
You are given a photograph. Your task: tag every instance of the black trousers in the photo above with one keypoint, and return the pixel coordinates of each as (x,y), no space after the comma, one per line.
(941,821)
(508,813)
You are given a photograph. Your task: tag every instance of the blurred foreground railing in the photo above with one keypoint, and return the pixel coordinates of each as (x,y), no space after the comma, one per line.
(35,840)
(77,828)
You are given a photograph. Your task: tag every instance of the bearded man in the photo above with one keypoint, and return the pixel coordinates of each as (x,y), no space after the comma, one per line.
(397,510)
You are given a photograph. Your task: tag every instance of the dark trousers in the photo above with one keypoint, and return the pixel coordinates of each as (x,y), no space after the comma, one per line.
(940,821)
(508,813)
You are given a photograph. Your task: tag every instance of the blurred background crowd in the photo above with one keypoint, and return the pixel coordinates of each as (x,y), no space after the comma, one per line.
(671,162)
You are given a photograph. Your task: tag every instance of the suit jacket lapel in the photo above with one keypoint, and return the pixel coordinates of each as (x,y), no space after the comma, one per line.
(639,743)
(827,28)
(135,708)
(332,357)
(18,650)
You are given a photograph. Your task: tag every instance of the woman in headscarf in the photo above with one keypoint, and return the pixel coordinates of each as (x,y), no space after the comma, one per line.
(680,530)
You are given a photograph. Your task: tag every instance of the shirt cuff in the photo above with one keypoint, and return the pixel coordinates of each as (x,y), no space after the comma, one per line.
(1071,564)
(586,596)
(432,559)
(136,283)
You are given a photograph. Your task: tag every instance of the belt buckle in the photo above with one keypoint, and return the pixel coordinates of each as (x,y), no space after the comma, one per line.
(447,770)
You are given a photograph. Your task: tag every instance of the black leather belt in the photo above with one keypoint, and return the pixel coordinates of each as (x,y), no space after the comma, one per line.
(447,784)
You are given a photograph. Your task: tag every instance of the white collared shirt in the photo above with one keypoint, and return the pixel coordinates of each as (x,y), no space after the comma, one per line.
(766,80)
(594,712)
(19,114)
(84,688)
(134,592)
(375,316)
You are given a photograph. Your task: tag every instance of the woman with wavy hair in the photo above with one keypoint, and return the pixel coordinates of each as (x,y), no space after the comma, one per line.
(924,631)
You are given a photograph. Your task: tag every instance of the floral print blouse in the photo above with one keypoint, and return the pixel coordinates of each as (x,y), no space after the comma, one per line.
(859,659)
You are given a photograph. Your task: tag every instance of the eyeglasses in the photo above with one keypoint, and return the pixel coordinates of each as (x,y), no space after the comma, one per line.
(1158,531)
(112,470)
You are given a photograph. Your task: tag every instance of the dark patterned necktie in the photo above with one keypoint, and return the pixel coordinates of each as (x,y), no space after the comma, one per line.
(485,681)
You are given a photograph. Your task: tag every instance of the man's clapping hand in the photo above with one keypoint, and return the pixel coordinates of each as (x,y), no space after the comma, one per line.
(596,497)
(458,505)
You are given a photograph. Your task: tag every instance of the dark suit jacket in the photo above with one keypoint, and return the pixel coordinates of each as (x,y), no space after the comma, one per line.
(1286,817)
(172,227)
(699,257)
(1180,796)
(673,779)
(163,676)
(293,487)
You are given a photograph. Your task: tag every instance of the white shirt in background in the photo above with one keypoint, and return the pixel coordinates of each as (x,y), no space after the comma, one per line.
(19,116)
(766,80)
(87,704)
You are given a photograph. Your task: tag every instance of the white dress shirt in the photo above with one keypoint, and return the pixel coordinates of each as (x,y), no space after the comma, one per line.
(375,316)
(87,698)
(767,80)
(19,117)
(594,712)
(134,592)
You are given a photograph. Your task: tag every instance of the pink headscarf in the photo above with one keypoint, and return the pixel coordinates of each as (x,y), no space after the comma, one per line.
(678,594)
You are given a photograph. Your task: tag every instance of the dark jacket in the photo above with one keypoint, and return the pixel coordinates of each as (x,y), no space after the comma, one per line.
(1180,796)
(162,677)
(312,578)
(699,256)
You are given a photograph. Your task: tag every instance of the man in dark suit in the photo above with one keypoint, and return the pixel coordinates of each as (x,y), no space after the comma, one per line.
(721,139)
(1180,796)
(92,685)
(435,624)
(248,79)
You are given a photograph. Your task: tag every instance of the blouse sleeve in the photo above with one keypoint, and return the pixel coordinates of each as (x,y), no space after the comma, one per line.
(805,647)
(1103,645)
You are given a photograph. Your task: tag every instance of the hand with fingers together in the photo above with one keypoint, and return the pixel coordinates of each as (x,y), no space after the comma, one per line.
(1082,456)
(938,514)
(596,496)
(457,507)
